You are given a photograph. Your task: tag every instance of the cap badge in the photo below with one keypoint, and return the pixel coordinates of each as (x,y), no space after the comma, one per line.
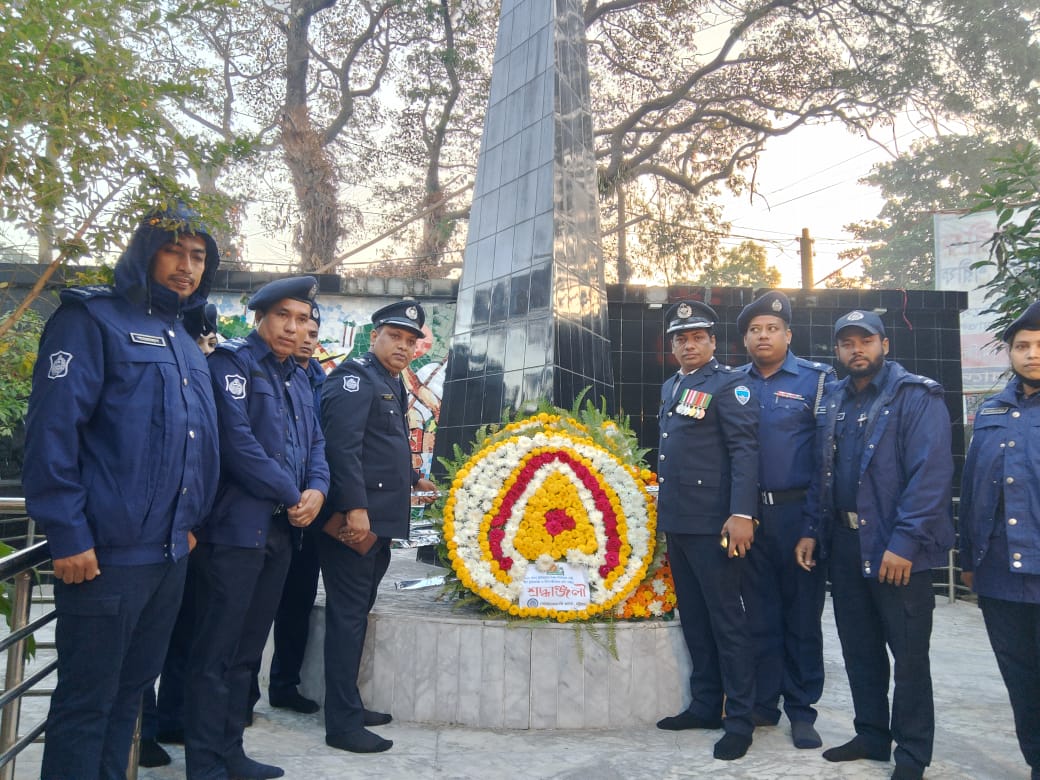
(776,305)
(314,291)
(853,316)
(411,313)
(683,311)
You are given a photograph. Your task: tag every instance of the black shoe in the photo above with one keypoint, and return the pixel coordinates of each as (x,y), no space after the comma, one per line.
(373,718)
(856,749)
(731,747)
(905,772)
(687,720)
(764,720)
(244,768)
(292,699)
(804,735)
(150,753)
(173,737)
(358,741)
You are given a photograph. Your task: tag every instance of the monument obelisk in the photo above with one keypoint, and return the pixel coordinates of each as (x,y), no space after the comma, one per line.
(531,317)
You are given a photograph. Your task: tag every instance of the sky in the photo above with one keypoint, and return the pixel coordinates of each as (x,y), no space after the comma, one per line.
(809,179)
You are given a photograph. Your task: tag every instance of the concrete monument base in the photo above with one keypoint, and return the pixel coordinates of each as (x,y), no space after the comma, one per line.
(428,662)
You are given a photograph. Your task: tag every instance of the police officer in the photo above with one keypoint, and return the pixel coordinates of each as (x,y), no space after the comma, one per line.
(883,492)
(363,412)
(708,474)
(201,325)
(292,621)
(273,478)
(121,465)
(784,602)
(1000,527)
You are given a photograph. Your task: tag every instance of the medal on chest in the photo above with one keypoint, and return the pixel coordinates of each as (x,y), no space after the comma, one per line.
(693,403)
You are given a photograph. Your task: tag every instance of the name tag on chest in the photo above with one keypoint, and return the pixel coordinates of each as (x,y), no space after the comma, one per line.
(144,338)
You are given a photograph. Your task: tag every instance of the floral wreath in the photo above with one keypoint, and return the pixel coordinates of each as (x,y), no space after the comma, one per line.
(550,489)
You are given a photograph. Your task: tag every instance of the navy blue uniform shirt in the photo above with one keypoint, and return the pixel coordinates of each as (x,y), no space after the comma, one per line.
(787,403)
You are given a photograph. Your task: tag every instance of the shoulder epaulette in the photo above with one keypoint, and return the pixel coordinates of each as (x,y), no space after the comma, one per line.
(823,368)
(361,361)
(87,292)
(232,345)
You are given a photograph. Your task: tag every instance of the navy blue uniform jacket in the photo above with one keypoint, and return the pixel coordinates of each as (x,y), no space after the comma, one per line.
(905,474)
(707,468)
(121,438)
(363,412)
(257,398)
(1003,462)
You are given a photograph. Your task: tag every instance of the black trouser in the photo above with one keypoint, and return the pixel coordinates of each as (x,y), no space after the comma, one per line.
(239,590)
(292,623)
(351,584)
(1014,633)
(784,607)
(870,615)
(707,589)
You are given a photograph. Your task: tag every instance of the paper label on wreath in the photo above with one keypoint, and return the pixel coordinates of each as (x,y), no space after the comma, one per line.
(562,587)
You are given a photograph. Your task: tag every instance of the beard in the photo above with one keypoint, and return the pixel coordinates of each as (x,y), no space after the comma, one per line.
(871,369)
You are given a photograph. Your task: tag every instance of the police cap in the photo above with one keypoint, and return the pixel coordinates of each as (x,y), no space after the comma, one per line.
(407,314)
(689,315)
(298,288)
(316,313)
(865,320)
(201,321)
(1028,320)
(773,303)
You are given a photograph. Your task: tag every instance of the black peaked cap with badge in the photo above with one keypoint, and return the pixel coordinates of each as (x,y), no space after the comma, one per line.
(1027,320)
(407,314)
(316,313)
(865,320)
(773,303)
(297,288)
(689,315)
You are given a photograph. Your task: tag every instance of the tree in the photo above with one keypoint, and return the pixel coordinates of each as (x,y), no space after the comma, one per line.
(941,174)
(1014,194)
(84,145)
(742,266)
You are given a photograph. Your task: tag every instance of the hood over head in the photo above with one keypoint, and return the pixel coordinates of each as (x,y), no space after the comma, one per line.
(133,270)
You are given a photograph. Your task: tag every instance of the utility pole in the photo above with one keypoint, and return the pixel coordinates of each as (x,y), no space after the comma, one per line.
(805,246)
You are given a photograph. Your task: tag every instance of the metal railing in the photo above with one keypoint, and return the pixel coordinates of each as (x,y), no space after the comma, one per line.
(19,567)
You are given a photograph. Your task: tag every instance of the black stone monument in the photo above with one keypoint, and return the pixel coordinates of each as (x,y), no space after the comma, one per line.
(531,320)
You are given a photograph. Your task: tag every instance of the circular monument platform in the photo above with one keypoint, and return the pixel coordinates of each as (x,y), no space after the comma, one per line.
(429,661)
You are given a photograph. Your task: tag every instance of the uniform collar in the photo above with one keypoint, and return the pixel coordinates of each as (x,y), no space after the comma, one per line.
(876,384)
(790,366)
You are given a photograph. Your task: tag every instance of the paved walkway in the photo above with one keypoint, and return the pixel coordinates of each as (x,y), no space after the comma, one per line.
(974,738)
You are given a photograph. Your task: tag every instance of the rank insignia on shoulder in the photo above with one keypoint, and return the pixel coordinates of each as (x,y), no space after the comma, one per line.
(351,383)
(387,396)
(144,338)
(995,410)
(742,394)
(361,361)
(235,385)
(59,365)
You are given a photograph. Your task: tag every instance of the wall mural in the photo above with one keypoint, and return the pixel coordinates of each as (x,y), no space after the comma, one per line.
(346,322)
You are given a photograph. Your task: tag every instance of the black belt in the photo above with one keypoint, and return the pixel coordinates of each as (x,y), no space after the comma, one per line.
(774,497)
(848,519)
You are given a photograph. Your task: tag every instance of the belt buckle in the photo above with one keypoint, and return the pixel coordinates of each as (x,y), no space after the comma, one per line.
(767,497)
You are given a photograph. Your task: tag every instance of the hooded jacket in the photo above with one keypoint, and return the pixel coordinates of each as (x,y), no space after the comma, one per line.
(905,473)
(121,440)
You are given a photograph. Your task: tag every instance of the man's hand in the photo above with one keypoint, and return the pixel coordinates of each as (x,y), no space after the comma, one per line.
(357,526)
(803,553)
(425,486)
(192,541)
(76,568)
(303,514)
(895,569)
(968,578)
(739,531)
